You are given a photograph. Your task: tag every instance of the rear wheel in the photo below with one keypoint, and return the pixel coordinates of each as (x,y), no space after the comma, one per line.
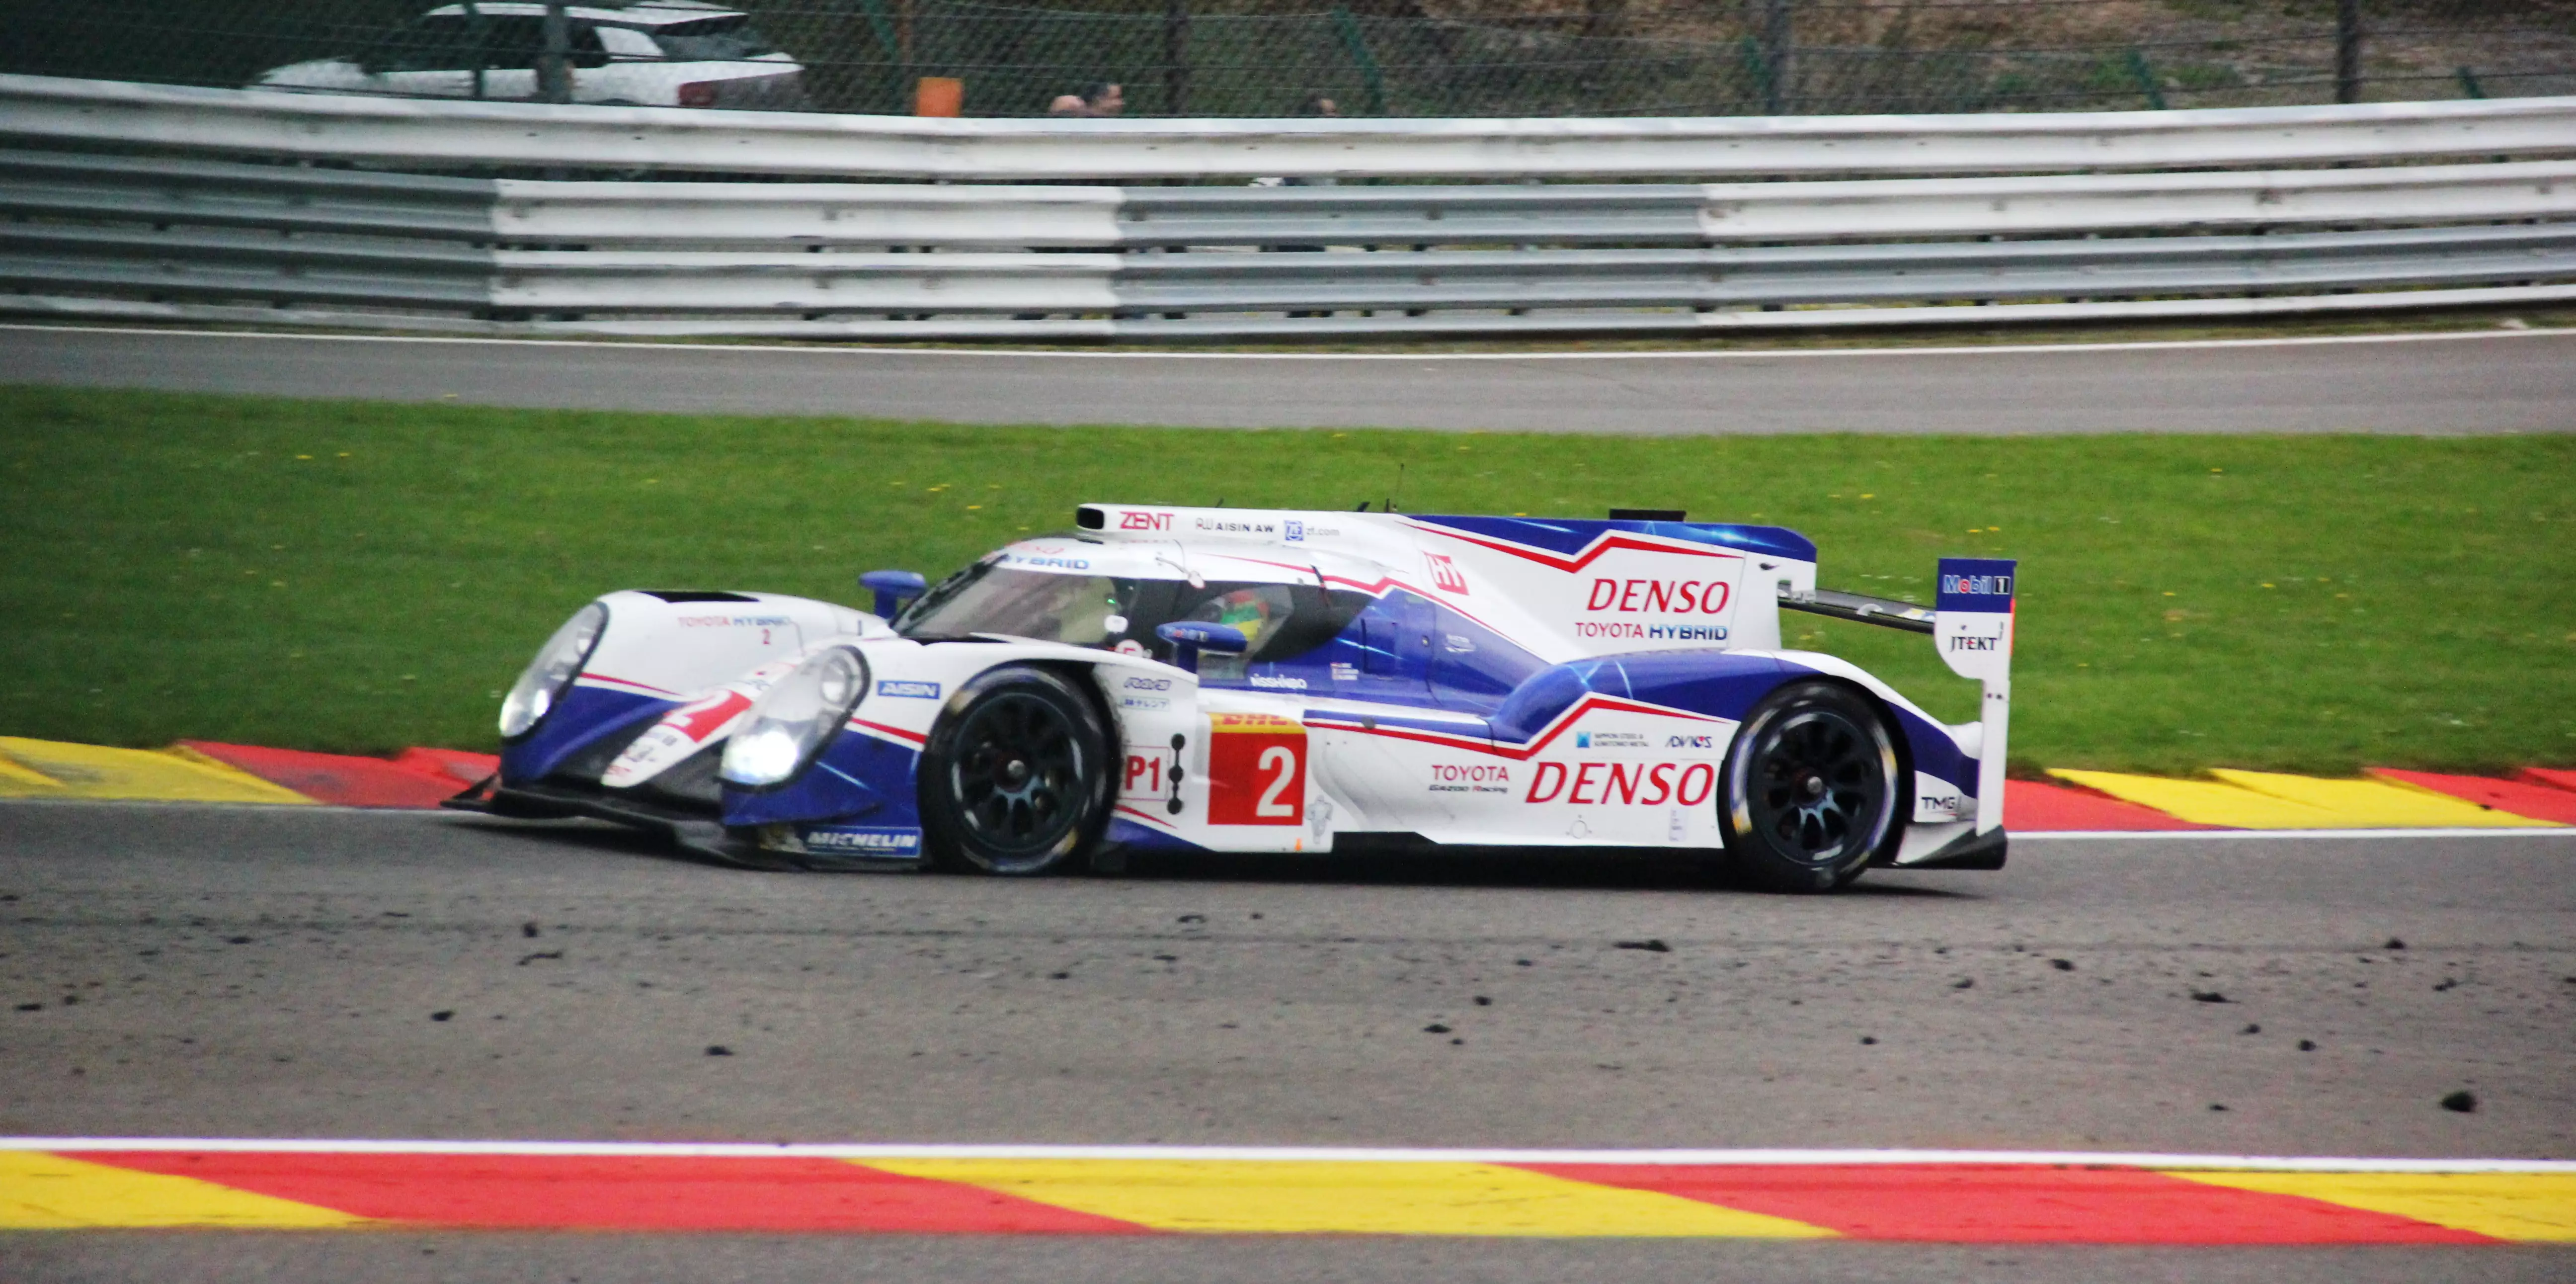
(1016,780)
(1811,789)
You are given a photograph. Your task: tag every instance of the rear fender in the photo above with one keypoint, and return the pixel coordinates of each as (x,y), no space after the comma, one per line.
(1942,772)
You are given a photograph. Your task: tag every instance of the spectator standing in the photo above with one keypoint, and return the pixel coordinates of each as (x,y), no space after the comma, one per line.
(1097,99)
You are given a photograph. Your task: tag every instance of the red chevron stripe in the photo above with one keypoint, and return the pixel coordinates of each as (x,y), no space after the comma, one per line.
(585,1192)
(2009,1203)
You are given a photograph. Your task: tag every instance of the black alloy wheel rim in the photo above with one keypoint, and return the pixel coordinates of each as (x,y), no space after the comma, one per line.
(1818,788)
(1017,775)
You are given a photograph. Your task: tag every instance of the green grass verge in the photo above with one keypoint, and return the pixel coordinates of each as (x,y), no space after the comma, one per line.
(360,576)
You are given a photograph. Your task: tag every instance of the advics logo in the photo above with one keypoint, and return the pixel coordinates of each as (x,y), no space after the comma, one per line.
(1141,683)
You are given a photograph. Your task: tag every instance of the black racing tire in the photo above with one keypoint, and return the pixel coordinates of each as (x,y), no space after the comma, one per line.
(1811,790)
(1015,779)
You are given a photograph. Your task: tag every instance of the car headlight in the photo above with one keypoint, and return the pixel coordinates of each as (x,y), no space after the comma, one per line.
(558,662)
(794,719)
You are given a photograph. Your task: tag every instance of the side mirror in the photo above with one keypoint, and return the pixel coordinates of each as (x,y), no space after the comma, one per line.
(1188,638)
(893,589)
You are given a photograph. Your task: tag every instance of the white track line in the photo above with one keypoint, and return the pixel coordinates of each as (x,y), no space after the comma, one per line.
(1726,354)
(1333,1154)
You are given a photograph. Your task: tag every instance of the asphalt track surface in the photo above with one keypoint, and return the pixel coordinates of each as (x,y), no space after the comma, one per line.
(278,971)
(2487,382)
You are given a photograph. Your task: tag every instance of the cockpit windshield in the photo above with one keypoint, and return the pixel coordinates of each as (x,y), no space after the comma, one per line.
(1120,613)
(1083,610)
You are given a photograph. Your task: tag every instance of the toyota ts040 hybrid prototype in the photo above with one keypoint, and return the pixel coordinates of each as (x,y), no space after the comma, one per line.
(1230,680)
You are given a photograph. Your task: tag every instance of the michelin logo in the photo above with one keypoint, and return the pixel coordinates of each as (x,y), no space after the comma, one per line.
(872,842)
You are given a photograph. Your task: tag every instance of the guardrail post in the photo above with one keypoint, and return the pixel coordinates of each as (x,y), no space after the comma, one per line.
(1355,43)
(1176,57)
(2145,75)
(2347,51)
(554,66)
(478,30)
(1776,96)
(897,49)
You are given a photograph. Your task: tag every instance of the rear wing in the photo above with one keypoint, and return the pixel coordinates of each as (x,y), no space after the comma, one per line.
(1971,622)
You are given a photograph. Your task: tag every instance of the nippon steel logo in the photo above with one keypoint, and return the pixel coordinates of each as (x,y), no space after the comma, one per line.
(1977,585)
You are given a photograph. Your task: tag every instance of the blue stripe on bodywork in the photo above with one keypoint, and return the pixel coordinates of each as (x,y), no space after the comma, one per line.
(1127,833)
(1722,684)
(1570,535)
(858,776)
(584,716)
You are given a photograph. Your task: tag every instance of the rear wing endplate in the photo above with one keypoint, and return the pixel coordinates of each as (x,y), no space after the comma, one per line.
(1971,622)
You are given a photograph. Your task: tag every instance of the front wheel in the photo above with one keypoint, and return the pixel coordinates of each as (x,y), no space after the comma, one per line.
(1015,779)
(1811,789)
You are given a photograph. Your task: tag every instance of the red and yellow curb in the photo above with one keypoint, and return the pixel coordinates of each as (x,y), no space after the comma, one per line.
(1955,1197)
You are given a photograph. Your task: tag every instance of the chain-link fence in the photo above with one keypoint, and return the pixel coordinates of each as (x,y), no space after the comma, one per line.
(1370,57)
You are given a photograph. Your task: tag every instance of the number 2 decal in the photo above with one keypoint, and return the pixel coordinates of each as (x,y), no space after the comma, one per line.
(1282,760)
(1256,770)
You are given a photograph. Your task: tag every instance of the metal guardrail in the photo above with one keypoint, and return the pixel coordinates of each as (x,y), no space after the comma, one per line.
(951,216)
(191,236)
(433,132)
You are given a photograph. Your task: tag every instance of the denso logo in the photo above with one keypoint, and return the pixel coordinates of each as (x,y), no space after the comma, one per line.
(1658,597)
(1585,784)
(1134,520)
(1135,683)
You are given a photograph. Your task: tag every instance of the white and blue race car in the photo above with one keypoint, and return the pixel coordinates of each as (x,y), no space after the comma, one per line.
(1232,680)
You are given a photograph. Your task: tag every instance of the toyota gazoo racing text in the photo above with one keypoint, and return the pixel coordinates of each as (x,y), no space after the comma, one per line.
(1230,680)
